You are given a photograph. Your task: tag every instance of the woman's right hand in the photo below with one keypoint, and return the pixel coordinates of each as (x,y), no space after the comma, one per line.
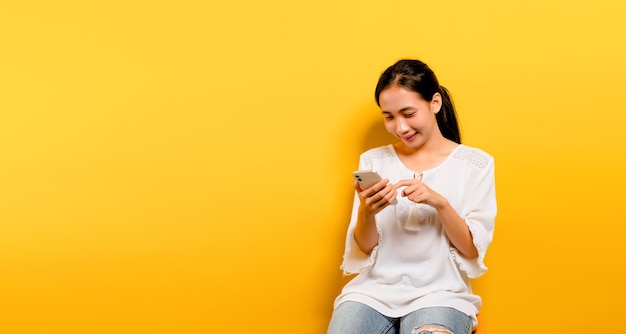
(375,198)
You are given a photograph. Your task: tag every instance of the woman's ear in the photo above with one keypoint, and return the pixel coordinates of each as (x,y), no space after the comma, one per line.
(436,102)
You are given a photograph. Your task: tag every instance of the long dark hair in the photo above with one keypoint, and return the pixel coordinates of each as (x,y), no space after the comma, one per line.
(418,77)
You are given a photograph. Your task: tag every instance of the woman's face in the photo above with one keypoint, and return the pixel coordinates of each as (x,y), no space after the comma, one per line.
(408,116)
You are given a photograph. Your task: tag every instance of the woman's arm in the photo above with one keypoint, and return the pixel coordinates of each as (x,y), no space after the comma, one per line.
(457,230)
(372,201)
(454,226)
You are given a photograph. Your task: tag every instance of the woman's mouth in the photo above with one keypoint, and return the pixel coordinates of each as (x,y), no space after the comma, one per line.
(409,138)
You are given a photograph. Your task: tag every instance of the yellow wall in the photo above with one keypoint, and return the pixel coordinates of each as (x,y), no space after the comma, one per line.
(184,167)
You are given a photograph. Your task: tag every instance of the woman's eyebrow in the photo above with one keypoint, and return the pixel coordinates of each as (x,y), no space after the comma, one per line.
(399,111)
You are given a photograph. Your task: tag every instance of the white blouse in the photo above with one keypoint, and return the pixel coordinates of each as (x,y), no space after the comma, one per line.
(414,264)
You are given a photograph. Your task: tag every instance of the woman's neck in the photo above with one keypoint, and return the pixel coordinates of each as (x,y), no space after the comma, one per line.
(426,156)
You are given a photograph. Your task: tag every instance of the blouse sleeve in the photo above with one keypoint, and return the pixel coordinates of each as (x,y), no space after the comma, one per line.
(356,261)
(479,214)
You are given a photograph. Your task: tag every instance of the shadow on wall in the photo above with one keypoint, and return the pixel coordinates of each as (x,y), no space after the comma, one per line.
(376,135)
(373,135)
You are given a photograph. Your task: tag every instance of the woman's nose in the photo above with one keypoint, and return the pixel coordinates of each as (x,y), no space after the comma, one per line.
(401,125)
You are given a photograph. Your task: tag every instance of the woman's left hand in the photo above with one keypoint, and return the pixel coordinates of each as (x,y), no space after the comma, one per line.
(418,192)
(454,226)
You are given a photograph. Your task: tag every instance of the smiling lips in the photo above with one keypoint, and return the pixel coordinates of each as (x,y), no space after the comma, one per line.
(409,138)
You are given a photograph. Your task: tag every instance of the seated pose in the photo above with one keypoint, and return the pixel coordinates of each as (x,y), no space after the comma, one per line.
(416,237)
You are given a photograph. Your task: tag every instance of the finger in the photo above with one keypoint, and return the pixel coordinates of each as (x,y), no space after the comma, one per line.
(375,205)
(415,199)
(391,196)
(404,183)
(380,197)
(407,183)
(417,187)
(407,191)
(369,192)
(382,203)
(375,198)
(414,195)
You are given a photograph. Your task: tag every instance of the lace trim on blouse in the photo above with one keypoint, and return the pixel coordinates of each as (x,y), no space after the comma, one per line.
(473,157)
(377,154)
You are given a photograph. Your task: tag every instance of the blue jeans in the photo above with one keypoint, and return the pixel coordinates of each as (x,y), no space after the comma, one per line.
(357,318)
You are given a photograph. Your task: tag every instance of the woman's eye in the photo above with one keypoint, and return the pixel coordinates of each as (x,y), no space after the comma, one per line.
(409,115)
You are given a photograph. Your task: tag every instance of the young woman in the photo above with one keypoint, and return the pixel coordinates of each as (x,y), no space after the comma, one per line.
(417,237)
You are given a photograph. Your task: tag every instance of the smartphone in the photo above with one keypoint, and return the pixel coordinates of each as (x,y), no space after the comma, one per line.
(368,178)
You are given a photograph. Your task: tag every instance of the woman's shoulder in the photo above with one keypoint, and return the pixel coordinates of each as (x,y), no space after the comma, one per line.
(386,151)
(473,156)
(378,154)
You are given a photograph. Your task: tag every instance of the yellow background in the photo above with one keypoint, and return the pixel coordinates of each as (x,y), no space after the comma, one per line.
(184,166)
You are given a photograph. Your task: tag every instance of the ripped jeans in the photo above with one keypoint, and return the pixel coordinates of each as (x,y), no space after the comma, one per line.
(357,318)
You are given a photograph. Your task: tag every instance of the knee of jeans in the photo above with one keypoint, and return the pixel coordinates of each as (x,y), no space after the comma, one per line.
(431,329)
